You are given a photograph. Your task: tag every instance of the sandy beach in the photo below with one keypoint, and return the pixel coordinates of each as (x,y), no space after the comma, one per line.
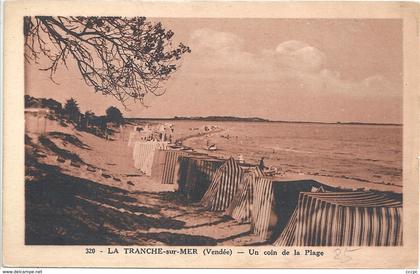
(354,156)
(101,198)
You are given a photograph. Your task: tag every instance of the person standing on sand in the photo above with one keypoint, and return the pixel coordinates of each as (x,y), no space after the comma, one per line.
(261,163)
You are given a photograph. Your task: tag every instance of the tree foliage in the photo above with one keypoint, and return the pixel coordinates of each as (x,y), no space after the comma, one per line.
(118,56)
(89,114)
(71,108)
(114,115)
(43,103)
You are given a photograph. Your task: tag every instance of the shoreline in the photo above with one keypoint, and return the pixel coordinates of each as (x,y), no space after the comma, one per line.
(332,180)
(260,120)
(111,193)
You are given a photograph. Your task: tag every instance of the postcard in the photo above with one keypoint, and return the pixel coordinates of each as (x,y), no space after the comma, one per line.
(211,134)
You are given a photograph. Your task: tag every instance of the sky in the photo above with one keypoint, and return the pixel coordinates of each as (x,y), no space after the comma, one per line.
(326,70)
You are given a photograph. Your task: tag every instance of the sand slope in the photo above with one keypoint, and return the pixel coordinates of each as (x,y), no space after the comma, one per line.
(81,189)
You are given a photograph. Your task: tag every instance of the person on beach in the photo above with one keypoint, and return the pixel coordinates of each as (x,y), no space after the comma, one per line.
(261,163)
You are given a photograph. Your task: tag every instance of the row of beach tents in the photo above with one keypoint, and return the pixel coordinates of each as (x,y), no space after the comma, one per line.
(160,132)
(281,211)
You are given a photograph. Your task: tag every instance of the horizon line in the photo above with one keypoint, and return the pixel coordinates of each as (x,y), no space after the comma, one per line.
(217,118)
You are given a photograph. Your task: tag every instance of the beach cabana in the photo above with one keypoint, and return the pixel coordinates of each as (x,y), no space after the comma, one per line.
(274,200)
(345,219)
(143,154)
(240,207)
(135,136)
(158,164)
(165,167)
(195,175)
(36,120)
(223,187)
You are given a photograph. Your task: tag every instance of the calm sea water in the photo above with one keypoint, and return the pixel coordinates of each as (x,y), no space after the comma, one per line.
(361,152)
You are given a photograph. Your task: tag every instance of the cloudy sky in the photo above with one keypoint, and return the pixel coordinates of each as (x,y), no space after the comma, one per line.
(281,69)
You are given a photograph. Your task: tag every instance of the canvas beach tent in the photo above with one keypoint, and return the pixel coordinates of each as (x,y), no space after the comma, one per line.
(165,167)
(136,136)
(240,207)
(196,173)
(143,154)
(36,120)
(274,200)
(223,186)
(171,168)
(158,165)
(139,134)
(345,219)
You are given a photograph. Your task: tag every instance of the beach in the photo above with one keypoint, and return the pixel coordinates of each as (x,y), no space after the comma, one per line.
(357,153)
(97,196)
(101,197)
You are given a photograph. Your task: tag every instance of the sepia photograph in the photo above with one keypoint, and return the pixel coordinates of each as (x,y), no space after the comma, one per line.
(211,134)
(180,131)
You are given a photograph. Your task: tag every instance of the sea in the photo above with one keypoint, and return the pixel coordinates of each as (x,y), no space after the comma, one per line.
(361,152)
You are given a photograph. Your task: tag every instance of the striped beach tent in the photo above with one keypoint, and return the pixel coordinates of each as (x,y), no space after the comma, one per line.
(143,154)
(134,137)
(274,201)
(195,175)
(345,219)
(158,164)
(171,168)
(223,186)
(240,207)
(165,167)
